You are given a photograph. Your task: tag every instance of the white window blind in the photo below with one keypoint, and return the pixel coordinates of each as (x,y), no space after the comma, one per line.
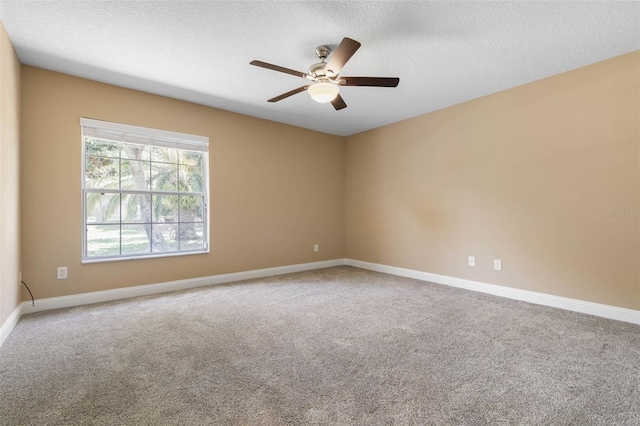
(142,135)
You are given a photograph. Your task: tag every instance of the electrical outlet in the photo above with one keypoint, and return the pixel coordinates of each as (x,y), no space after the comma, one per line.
(497,264)
(316,247)
(472,261)
(62,272)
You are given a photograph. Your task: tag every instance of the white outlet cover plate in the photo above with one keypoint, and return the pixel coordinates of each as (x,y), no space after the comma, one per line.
(62,272)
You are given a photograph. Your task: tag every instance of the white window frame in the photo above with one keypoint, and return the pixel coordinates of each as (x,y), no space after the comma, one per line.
(151,137)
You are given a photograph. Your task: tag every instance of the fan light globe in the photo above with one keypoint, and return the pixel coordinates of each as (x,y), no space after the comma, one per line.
(323,92)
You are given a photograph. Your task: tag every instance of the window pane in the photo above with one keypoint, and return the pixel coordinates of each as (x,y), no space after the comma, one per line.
(101,172)
(103,240)
(164,155)
(165,208)
(135,152)
(165,238)
(102,208)
(164,177)
(135,175)
(191,178)
(136,208)
(190,208)
(190,158)
(135,239)
(102,148)
(191,236)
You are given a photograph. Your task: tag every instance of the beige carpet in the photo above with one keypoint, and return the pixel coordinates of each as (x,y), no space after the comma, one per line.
(337,346)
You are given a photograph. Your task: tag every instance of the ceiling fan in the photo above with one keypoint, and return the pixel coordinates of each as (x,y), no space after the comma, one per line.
(326,82)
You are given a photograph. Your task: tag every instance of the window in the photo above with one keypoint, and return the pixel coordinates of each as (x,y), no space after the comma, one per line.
(144,192)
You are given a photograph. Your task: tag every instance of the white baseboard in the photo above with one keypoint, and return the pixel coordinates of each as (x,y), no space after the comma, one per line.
(144,290)
(600,310)
(9,323)
(597,309)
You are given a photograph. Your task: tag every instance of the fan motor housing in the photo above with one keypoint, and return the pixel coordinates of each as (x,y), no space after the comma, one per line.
(317,70)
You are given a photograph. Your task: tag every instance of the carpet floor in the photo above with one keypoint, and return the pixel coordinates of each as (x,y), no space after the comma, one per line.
(338,346)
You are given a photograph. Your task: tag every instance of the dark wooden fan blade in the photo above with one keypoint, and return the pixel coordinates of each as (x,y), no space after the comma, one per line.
(338,103)
(278,68)
(369,81)
(343,53)
(290,93)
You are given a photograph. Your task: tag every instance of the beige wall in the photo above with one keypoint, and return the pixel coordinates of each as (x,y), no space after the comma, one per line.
(525,175)
(275,189)
(9,177)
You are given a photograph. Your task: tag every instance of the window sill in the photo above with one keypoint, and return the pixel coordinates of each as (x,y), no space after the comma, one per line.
(142,256)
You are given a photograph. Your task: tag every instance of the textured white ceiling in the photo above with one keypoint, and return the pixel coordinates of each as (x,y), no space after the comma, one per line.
(443,52)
